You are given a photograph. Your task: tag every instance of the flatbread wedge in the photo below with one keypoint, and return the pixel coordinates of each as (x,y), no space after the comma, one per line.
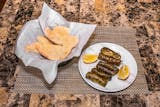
(60,35)
(51,51)
(32,47)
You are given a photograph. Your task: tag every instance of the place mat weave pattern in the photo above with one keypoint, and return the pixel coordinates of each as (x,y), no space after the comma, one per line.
(69,81)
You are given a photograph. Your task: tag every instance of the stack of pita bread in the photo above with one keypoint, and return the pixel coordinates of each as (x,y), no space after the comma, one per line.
(55,45)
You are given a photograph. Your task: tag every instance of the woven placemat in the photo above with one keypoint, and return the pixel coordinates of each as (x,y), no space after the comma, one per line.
(30,80)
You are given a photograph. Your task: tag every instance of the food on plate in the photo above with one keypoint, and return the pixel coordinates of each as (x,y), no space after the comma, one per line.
(56,45)
(89,58)
(102,74)
(124,72)
(108,66)
(110,53)
(109,59)
(96,78)
(105,70)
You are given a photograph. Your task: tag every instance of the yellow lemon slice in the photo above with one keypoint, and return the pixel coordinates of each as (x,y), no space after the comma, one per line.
(90,58)
(123,73)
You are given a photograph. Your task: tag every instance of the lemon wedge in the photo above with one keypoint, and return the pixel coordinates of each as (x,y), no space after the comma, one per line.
(90,58)
(123,73)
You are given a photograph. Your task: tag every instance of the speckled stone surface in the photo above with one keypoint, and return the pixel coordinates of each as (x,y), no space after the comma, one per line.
(143,15)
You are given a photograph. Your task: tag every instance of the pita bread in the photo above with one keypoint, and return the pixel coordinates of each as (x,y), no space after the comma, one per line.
(32,47)
(51,51)
(56,45)
(60,35)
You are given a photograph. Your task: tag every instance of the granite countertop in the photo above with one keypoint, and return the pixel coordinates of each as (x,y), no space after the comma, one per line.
(142,15)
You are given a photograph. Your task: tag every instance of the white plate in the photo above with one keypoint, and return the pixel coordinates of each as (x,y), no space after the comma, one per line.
(115,84)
